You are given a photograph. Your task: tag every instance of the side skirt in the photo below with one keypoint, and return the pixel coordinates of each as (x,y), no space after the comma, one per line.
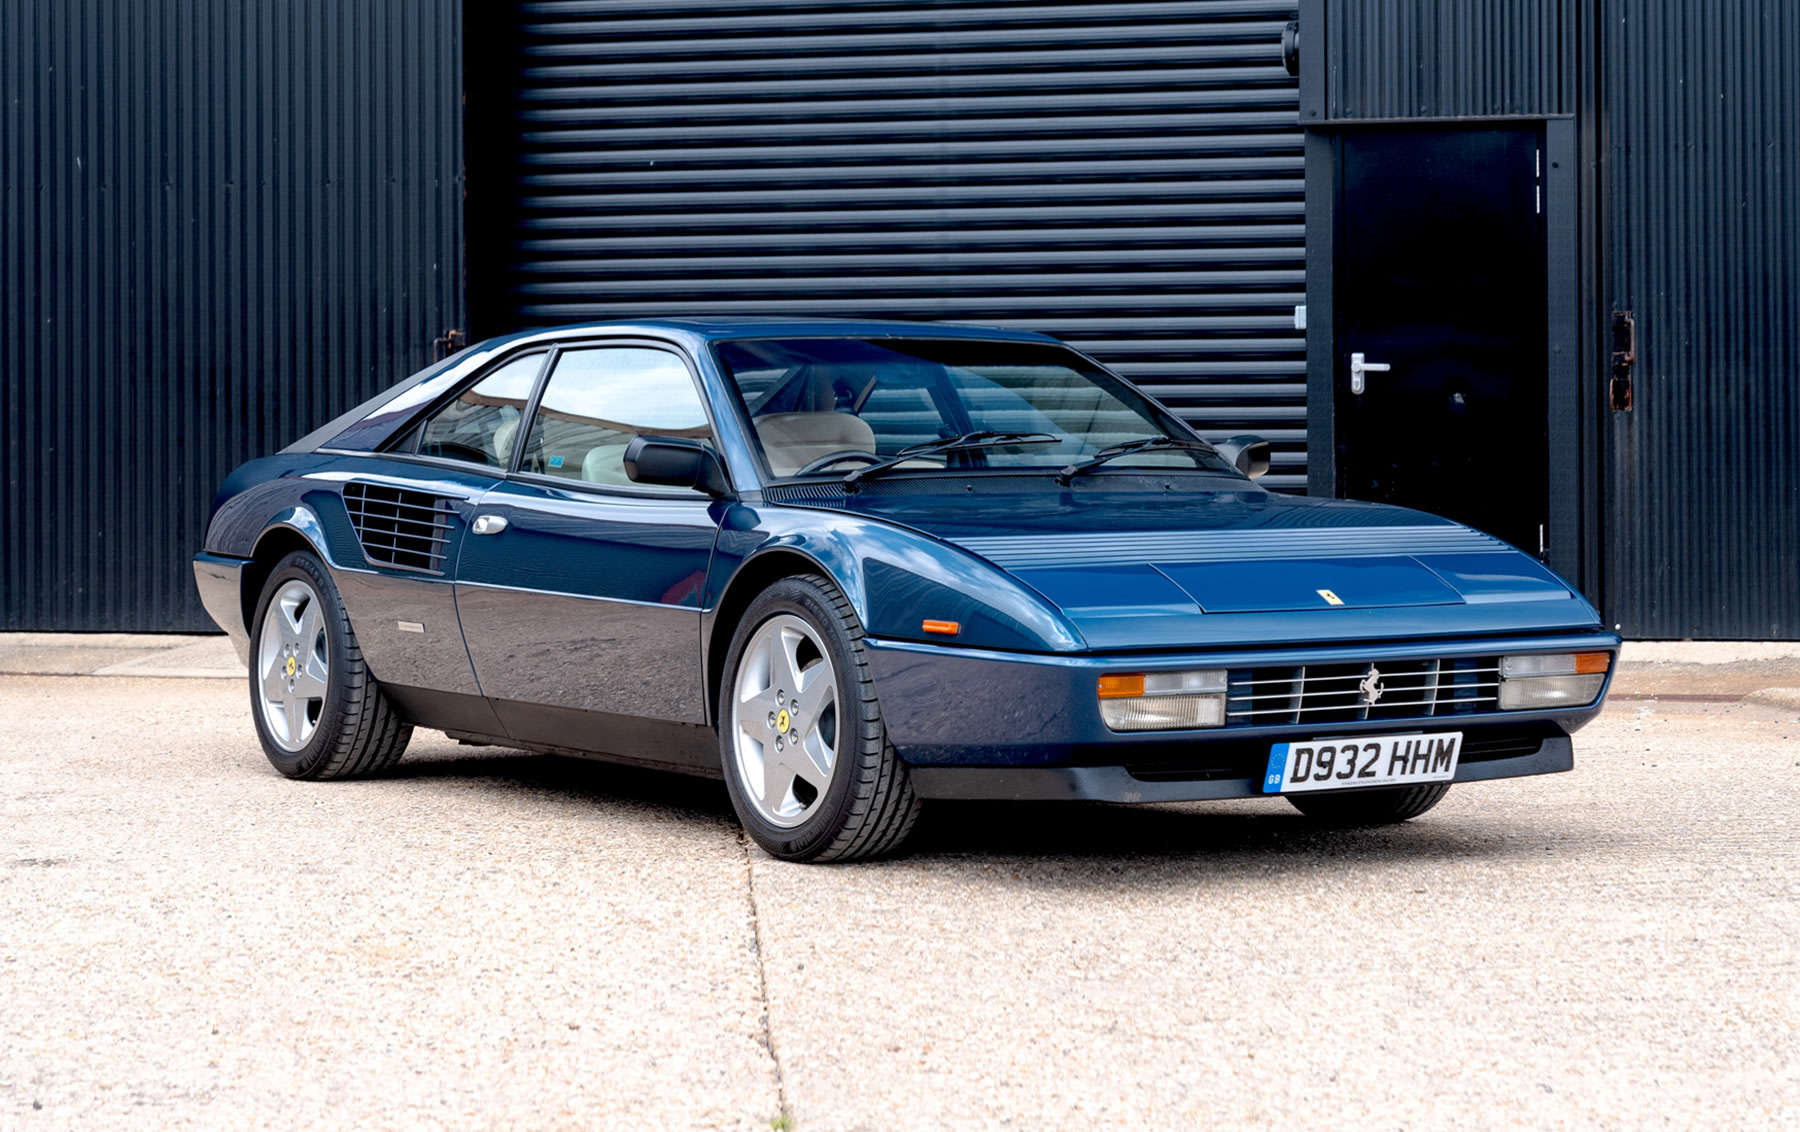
(446,711)
(657,744)
(479,740)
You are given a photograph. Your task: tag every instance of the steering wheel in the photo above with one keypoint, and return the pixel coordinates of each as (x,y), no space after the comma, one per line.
(838,457)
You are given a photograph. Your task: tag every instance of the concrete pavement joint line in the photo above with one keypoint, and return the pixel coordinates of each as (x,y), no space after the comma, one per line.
(1674,697)
(786,1114)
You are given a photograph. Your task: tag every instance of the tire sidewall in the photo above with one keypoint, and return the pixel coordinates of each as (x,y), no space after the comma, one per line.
(1380,806)
(309,760)
(803,598)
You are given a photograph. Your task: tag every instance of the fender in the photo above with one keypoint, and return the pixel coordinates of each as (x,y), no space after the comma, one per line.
(302,521)
(299,520)
(894,579)
(230,584)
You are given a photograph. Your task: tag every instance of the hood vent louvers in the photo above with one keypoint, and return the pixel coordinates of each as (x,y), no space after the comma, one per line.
(404,530)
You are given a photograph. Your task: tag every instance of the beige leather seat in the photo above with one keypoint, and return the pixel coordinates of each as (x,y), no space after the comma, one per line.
(793,440)
(605,463)
(504,437)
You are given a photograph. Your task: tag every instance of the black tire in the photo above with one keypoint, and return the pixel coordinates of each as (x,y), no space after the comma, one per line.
(1370,807)
(868,807)
(357,733)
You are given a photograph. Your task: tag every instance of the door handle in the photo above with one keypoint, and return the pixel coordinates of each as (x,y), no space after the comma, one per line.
(1358,368)
(488,525)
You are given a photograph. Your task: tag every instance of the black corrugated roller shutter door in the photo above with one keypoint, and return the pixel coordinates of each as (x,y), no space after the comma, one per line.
(1127,176)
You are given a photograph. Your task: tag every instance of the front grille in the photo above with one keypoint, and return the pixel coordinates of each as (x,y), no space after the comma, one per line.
(1340,693)
(399,528)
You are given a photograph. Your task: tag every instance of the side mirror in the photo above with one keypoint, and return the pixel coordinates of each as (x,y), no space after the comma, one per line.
(673,461)
(1249,454)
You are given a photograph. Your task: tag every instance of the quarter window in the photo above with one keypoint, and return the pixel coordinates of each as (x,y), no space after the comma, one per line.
(482,425)
(599,400)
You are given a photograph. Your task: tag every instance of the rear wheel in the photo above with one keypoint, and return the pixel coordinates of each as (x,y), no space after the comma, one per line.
(318,712)
(1370,807)
(807,761)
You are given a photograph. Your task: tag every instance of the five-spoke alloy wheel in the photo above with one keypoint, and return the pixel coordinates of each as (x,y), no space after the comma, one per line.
(807,761)
(784,720)
(295,662)
(318,711)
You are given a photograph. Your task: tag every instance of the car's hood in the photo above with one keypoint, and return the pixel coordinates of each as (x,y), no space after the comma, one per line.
(1133,570)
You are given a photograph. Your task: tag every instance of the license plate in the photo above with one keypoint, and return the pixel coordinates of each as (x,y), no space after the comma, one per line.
(1365,760)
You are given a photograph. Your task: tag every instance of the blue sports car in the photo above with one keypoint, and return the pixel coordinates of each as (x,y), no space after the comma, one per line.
(854,566)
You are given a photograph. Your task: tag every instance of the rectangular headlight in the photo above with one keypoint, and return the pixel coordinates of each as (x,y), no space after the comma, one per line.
(1163,701)
(1552,680)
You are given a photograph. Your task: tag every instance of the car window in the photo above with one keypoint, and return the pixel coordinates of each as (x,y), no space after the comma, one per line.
(1050,398)
(812,399)
(598,400)
(482,424)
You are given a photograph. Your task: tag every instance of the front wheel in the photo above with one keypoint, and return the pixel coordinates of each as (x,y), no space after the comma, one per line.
(1370,807)
(807,761)
(318,712)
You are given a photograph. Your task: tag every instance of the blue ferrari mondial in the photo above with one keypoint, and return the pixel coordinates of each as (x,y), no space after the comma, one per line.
(853,566)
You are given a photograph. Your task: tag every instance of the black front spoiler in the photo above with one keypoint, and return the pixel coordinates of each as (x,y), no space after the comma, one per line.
(1117,784)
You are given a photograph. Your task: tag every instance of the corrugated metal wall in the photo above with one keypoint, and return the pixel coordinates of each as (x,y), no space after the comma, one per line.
(221,223)
(1125,175)
(1701,186)
(1467,58)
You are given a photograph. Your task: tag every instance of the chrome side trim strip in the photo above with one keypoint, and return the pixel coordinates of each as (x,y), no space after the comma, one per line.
(584,597)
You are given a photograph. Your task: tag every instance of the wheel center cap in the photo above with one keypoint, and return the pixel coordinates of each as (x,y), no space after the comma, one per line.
(782,719)
(292,666)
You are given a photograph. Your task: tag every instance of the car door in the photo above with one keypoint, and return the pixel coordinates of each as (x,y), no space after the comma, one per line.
(580,591)
(410,509)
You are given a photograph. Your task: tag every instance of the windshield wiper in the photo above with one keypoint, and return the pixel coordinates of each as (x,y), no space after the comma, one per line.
(982,438)
(1127,448)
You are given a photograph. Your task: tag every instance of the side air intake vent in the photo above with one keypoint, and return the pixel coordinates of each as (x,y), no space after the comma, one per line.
(398,528)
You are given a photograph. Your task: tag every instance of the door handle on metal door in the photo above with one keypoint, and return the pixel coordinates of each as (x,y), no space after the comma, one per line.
(488,525)
(1358,368)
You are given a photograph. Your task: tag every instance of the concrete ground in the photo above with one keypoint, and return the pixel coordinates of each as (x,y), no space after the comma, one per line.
(487,940)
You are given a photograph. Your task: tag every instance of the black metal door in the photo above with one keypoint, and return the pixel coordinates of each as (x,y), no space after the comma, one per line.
(1440,305)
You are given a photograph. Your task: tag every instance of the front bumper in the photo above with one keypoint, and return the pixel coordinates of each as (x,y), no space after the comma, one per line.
(983,724)
(1120,783)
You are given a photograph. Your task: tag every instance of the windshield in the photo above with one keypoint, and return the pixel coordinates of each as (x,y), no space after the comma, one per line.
(825,406)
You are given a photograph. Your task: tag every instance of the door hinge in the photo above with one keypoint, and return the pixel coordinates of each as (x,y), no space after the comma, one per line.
(447,343)
(1624,356)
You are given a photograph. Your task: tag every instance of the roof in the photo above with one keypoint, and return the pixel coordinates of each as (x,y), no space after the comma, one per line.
(729,327)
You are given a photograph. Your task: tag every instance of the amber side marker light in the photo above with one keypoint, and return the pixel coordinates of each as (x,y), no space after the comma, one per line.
(943,628)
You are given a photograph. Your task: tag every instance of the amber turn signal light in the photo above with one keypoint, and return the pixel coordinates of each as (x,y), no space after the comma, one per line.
(1592,663)
(943,628)
(1122,687)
